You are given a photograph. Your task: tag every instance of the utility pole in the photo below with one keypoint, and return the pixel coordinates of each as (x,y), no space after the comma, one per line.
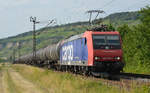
(33,19)
(19,47)
(14,55)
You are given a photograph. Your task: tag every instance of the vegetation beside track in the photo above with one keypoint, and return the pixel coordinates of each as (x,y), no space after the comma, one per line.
(136,44)
(11,85)
(12,82)
(61,82)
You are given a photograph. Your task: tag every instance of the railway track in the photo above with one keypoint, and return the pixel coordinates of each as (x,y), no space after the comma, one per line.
(129,76)
(135,76)
(124,80)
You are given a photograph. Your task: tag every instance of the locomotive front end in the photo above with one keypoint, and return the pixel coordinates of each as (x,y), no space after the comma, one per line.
(107,51)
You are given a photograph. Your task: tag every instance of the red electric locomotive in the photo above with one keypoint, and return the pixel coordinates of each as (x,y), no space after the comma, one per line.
(105,52)
(96,50)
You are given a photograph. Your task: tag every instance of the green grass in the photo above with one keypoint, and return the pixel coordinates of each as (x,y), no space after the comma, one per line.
(137,69)
(60,82)
(12,88)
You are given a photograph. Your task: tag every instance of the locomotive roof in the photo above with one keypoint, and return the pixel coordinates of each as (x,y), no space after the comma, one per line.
(93,32)
(73,37)
(108,32)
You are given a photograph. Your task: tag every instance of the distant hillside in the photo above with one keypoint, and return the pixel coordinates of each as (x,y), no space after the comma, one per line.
(50,35)
(118,19)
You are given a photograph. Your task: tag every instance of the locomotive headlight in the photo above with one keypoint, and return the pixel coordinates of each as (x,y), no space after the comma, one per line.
(97,58)
(118,58)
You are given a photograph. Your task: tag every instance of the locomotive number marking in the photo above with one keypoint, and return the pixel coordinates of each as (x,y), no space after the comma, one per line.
(67,53)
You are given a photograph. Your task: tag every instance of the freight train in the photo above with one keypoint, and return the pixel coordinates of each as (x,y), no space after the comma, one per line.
(92,51)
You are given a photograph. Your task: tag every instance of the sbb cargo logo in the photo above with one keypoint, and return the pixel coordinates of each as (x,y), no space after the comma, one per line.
(67,53)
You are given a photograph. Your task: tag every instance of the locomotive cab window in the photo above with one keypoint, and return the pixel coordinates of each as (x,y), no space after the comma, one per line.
(106,42)
(85,41)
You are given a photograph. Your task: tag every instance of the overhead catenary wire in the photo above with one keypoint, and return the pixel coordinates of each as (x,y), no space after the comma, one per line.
(108,3)
(133,5)
(105,6)
(129,7)
(34,21)
(100,9)
(51,22)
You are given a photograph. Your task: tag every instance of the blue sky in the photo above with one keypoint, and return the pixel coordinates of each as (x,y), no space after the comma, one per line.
(14,14)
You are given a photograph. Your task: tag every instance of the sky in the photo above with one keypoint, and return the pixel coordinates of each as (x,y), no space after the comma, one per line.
(15,14)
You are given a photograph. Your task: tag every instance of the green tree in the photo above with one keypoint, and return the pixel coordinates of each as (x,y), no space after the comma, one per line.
(136,43)
(145,18)
(111,27)
(124,29)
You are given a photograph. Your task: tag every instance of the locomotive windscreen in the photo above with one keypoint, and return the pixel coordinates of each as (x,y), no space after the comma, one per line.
(106,42)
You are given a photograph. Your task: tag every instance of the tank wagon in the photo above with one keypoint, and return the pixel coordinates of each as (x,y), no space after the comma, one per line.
(91,51)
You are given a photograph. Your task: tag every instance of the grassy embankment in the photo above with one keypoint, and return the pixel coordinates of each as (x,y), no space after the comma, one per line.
(12,82)
(7,85)
(60,82)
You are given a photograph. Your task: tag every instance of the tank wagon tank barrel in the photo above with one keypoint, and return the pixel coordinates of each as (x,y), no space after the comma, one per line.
(50,53)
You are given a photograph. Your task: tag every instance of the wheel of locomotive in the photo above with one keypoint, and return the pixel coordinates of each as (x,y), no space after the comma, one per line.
(58,67)
(75,69)
(85,70)
(117,71)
